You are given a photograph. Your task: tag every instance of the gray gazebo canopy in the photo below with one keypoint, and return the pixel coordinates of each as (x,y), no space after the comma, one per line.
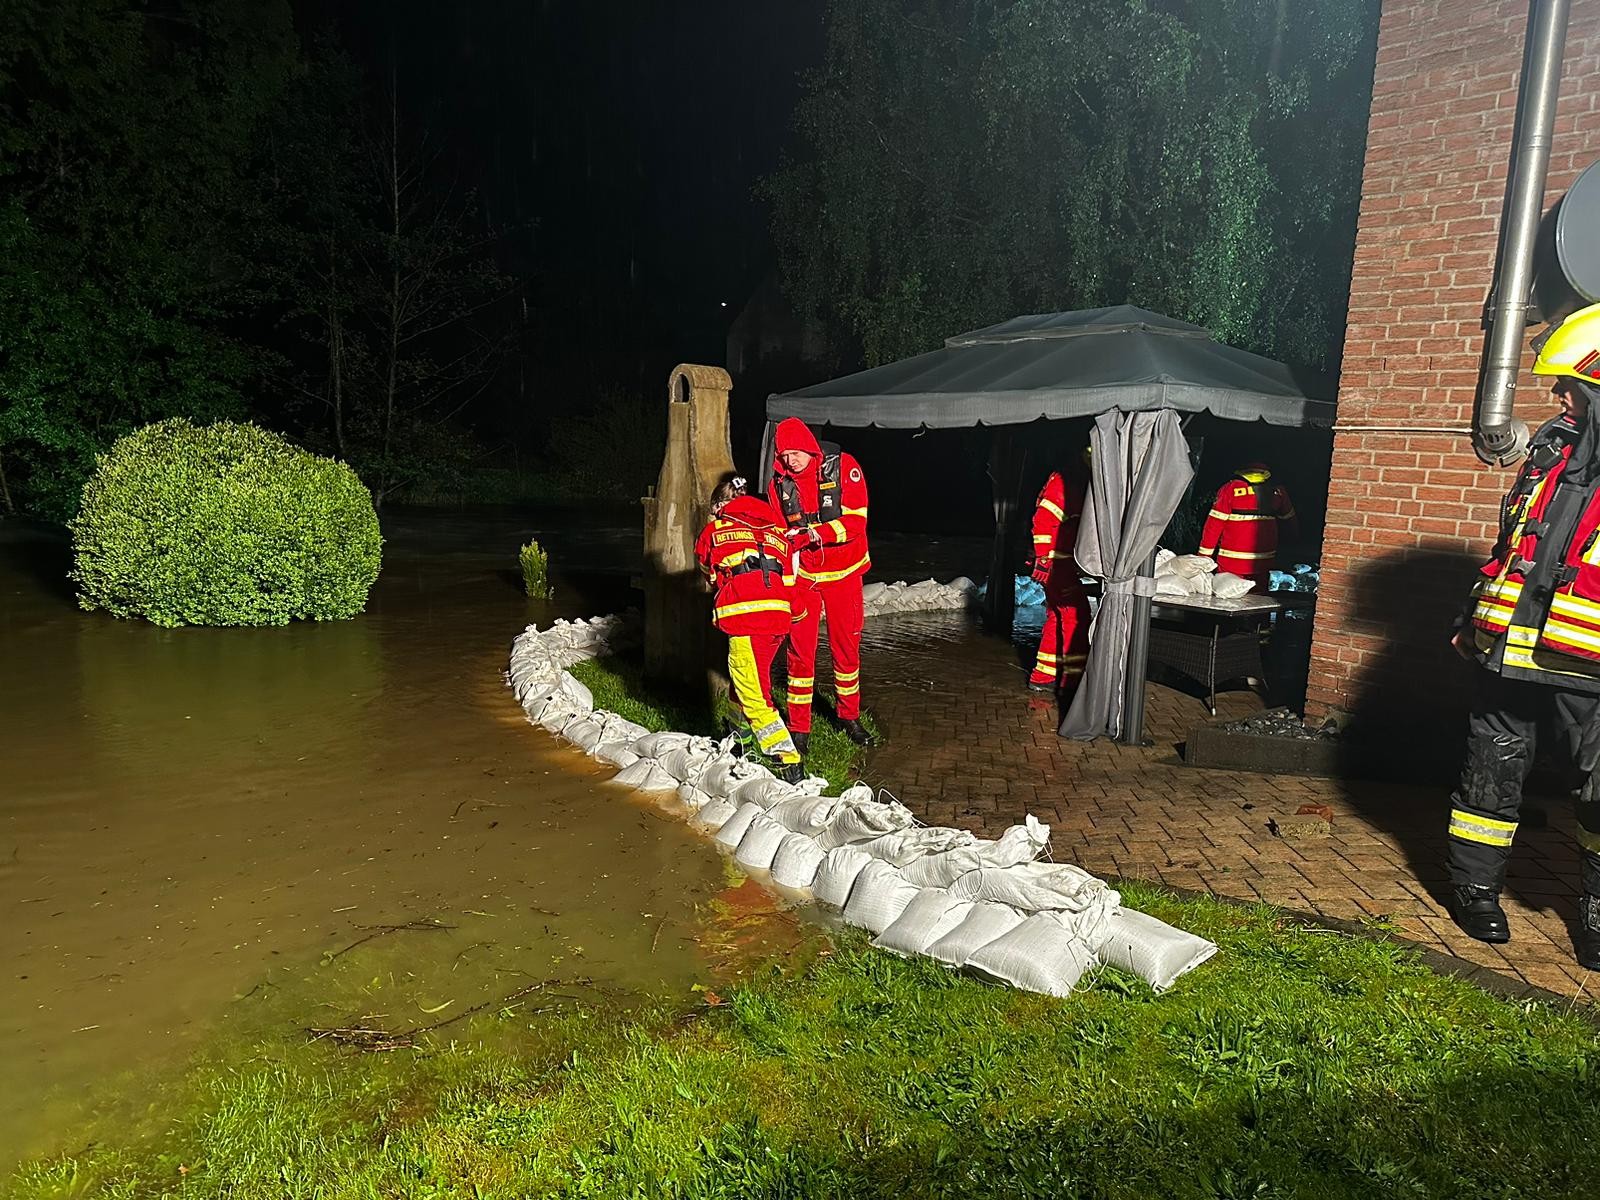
(1059,365)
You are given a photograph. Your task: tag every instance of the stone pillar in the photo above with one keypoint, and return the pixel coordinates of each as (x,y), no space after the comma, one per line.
(679,643)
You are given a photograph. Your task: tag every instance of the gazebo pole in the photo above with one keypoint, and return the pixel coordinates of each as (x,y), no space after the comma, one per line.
(1138,664)
(1006,462)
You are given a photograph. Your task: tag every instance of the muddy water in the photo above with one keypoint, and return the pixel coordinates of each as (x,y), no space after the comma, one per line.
(196,822)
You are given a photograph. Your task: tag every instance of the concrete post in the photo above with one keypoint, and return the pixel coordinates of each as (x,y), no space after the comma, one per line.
(678,639)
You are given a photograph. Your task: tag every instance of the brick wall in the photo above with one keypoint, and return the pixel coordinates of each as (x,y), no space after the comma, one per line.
(1410,514)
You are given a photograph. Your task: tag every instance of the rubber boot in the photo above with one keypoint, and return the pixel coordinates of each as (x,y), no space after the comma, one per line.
(802,742)
(1476,908)
(857,733)
(1588,943)
(791,772)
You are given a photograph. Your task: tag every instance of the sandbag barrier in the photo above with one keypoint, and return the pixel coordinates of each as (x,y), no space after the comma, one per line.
(990,907)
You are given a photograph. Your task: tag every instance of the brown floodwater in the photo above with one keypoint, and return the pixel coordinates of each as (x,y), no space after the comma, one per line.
(193,821)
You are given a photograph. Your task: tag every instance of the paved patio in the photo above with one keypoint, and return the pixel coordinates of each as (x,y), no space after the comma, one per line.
(969,747)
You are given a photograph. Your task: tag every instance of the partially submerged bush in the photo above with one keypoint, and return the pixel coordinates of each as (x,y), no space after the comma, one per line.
(223,525)
(535,562)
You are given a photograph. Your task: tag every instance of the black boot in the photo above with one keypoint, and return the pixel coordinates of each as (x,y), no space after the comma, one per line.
(1587,943)
(791,772)
(802,742)
(857,733)
(1476,908)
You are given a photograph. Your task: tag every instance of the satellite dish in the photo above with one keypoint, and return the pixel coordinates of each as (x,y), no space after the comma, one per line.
(1567,252)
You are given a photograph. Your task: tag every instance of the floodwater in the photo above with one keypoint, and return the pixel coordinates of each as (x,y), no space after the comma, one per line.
(253,832)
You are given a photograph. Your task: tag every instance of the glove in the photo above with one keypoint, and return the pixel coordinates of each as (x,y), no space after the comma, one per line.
(805,537)
(1041,570)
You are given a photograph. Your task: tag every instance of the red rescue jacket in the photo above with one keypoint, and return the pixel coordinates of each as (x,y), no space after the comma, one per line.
(1241,531)
(1056,514)
(830,496)
(747,558)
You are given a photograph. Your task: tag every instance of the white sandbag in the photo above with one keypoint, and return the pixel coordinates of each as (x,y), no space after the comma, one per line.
(732,833)
(688,761)
(1085,903)
(1186,566)
(1227,586)
(714,815)
(1018,844)
(760,843)
(878,897)
(771,790)
(646,776)
(617,753)
(932,913)
(806,814)
(727,773)
(982,924)
(584,733)
(837,875)
(1039,955)
(872,593)
(558,714)
(1151,949)
(654,745)
(619,727)
(863,820)
(692,798)
(907,845)
(797,862)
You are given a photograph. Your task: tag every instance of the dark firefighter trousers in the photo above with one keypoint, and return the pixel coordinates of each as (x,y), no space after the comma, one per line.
(1502,734)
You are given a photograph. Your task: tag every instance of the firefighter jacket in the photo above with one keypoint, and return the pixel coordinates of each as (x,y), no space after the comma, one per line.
(1055,530)
(829,497)
(1241,531)
(1535,609)
(747,558)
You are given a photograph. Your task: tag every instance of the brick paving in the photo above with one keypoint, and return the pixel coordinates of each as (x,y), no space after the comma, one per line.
(967,746)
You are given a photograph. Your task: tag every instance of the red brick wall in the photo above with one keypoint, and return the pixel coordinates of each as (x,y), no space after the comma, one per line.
(1411,513)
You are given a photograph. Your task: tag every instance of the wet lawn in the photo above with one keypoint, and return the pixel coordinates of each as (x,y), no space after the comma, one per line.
(1296,1063)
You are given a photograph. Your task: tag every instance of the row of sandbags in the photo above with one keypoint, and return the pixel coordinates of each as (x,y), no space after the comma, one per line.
(990,906)
(927,596)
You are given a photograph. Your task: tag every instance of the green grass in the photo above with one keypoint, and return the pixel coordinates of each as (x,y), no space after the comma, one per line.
(1296,1063)
(618,686)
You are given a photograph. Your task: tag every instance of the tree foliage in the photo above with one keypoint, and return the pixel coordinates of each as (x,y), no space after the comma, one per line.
(964,163)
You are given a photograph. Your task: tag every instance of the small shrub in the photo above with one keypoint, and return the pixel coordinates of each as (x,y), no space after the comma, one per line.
(535,570)
(225,524)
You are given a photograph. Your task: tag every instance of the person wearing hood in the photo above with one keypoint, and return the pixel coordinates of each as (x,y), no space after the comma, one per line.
(744,552)
(1532,624)
(1241,531)
(822,496)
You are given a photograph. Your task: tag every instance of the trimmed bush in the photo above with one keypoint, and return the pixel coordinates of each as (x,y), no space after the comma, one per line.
(225,524)
(535,562)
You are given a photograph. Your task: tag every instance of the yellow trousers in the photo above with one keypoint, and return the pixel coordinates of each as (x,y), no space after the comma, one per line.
(750,667)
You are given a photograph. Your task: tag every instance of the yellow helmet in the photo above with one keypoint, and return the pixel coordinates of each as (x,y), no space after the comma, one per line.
(1572,348)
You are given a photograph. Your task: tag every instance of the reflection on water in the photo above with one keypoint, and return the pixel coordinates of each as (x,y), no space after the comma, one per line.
(205,829)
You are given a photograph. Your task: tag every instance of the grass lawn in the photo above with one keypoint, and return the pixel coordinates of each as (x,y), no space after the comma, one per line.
(1296,1063)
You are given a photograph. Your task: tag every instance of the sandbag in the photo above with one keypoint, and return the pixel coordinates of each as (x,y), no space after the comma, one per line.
(878,896)
(760,843)
(837,874)
(1227,586)
(619,727)
(654,745)
(727,773)
(584,733)
(730,835)
(770,791)
(1019,844)
(982,924)
(617,753)
(906,845)
(714,815)
(646,776)
(862,820)
(932,913)
(1086,903)
(692,798)
(688,761)
(797,862)
(1152,949)
(805,814)
(1039,955)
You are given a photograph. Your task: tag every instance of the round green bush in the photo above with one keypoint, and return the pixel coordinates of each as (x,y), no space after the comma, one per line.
(224,524)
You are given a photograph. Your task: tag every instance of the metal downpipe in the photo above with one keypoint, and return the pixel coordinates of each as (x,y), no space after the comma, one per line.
(1497,438)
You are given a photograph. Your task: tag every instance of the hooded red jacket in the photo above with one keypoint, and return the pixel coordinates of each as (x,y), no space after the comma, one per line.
(747,601)
(831,483)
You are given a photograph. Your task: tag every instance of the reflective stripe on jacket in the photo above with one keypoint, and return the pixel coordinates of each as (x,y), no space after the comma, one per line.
(745,554)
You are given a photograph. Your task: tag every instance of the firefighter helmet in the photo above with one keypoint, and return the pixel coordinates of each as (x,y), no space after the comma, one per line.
(1572,348)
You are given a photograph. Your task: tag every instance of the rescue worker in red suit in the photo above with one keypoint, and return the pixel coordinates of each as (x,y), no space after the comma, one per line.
(1533,625)
(1064,643)
(1241,531)
(822,496)
(746,555)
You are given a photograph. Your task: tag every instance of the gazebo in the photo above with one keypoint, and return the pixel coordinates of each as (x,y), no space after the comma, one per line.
(1056,366)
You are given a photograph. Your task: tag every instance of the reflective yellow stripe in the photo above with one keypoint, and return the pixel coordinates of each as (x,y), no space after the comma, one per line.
(856,674)
(835,576)
(1589,840)
(1207,550)
(751,606)
(1245,516)
(854,512)
(1218,516)
(1247,554)
(1485,831)
(1050,506)
(802,680)
(840,533)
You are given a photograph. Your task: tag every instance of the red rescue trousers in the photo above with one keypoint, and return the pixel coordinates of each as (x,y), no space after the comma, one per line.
(841,601)
(1064,645)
